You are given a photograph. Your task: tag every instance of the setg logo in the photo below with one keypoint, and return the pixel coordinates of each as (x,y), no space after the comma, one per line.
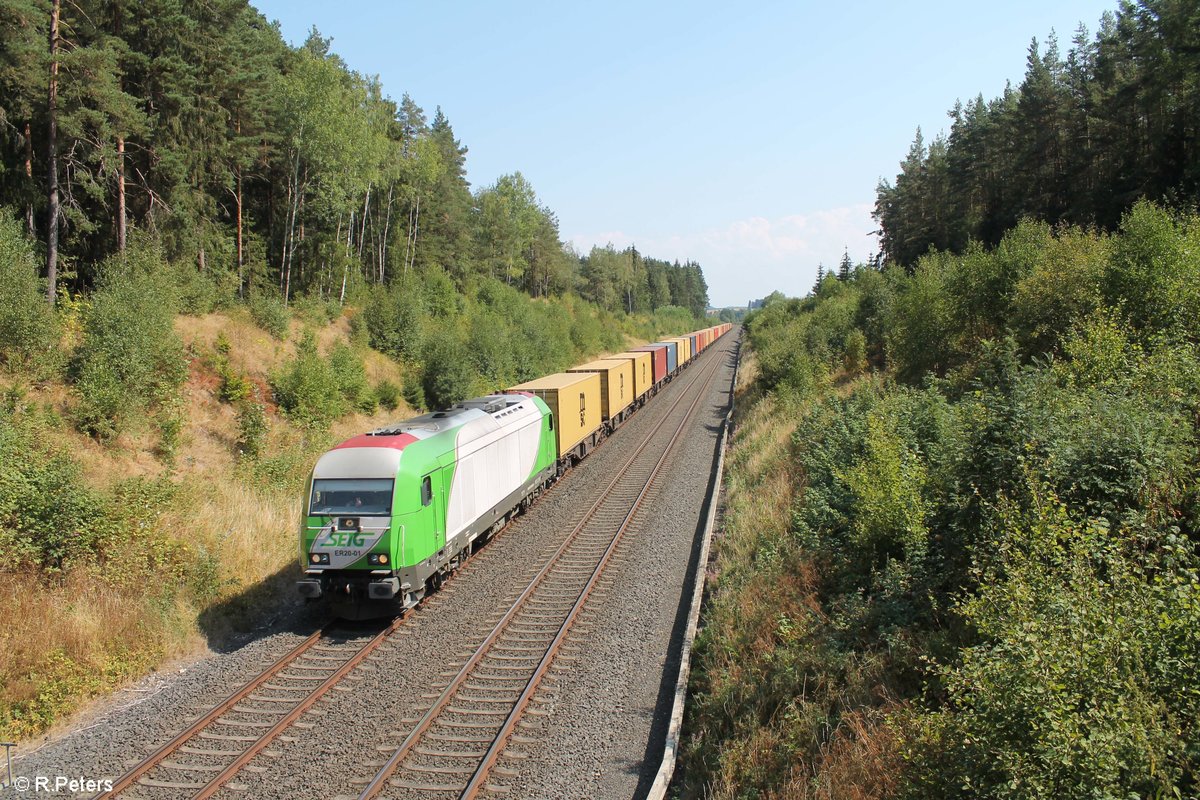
(345,539)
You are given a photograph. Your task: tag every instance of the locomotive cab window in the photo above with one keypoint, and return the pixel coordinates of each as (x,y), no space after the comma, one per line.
(362,496)
(426,491)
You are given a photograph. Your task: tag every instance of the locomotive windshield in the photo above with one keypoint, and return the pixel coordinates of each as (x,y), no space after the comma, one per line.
(351,496)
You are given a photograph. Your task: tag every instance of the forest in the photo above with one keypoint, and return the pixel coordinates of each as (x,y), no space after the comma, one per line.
(220,255)
(263,168)
(1076,142)
(961,555)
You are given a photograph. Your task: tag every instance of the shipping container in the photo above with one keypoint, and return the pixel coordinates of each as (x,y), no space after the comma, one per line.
(574,401)
(616,385)
(643,371)
(672,355)
(694,339)
(684,354)
(659,354)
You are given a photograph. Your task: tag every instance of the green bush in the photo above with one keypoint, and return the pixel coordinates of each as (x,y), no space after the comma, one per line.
(394,319)
(1153,272)
(130,359)
(352,379)
(447,377)
(921,336)
(413,390)
(48,515)
(388,394)
(1063,289)
(307,388)
(1083,682)
(28,327)
(235,385)
(203,292)
(170,433)
(270,314)
(252,428)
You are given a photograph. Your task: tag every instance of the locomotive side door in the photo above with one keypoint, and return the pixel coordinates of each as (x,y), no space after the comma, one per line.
(433,500)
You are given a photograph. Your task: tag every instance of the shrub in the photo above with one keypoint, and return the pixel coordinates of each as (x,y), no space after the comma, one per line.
(28,327)
(920,328)
(307,388)
(1153,272)
(1083,682)
(170,432)
(351,378)
(447,377)
(388,394)
(48,515)
(414,390)
(252,428)
(394,319)
(270,314)
(130,359)
(1062,289)
(235,385)
(854,357)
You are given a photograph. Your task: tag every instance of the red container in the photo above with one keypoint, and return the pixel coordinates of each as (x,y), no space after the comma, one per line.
(658,354)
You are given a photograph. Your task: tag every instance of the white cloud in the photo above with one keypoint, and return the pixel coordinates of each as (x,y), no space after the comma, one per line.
(749,258)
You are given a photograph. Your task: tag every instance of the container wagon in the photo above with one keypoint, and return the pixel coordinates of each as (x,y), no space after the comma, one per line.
(643,375)
(616,388)
(672,355)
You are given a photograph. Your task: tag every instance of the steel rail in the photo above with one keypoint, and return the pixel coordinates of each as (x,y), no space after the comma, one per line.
(161,754)
(477,782)
(308,702)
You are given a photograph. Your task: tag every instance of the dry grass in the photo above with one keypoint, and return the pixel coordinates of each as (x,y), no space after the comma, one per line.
(767,685)
(71,639)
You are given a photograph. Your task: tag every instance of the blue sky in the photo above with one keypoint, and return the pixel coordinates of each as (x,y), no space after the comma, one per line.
(750,140)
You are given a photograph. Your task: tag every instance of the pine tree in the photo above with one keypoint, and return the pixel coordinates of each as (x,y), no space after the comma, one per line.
(845,267)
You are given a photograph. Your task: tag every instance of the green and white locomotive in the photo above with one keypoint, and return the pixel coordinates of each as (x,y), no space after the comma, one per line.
(391,512)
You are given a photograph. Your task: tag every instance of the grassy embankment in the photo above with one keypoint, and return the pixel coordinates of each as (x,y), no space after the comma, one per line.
(194,549)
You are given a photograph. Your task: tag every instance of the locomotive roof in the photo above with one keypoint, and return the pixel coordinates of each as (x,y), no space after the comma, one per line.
(377,453)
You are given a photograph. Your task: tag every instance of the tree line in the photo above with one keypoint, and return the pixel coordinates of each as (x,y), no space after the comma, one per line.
(263,167)
(1077,141)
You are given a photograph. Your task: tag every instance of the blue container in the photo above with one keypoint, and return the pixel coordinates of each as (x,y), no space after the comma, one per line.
(672,355)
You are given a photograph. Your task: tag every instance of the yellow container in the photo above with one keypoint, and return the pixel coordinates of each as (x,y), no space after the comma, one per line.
(574,400)
(685,348)
(643,371)
(616,384)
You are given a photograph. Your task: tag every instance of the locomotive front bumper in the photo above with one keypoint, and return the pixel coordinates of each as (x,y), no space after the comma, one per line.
(316,585)
(310,589)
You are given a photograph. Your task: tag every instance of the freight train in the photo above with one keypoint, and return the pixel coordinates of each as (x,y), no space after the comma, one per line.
(390,513)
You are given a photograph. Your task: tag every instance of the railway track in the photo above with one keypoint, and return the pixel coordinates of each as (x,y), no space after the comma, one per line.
(504,673)
(216,746)
(454,749)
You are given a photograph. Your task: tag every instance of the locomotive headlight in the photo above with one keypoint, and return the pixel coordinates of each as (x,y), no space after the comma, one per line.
(319,558)
(377,559)
(383,559)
